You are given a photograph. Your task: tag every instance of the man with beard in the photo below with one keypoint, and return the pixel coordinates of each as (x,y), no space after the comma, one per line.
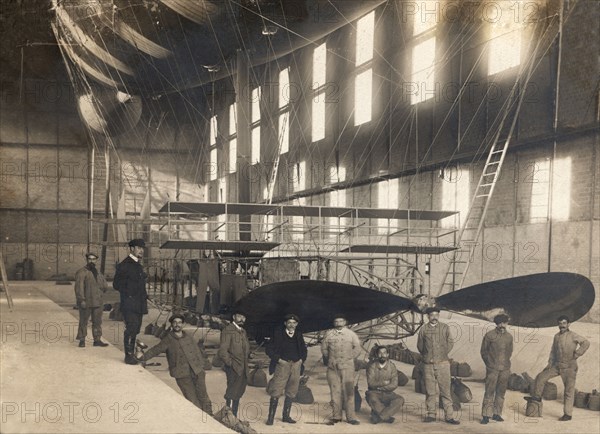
(186,363)
(496,351)
(90,286)
(340,347)
(287,352)
(382,380)
(567,347)
(434,344)
(130,281)
(234,351)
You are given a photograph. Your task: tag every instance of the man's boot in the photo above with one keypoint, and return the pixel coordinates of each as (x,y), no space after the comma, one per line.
(272,410)
(129,351)
(234,406)
(287,406)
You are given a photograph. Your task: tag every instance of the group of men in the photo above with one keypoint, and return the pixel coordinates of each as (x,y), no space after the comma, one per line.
(339,347)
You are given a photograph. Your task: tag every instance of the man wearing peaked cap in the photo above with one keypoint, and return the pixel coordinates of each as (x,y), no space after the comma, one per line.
(90,286)
(287,351)
(130,281)
(496,351)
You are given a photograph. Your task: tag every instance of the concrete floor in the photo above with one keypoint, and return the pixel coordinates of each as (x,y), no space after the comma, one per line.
(164,409)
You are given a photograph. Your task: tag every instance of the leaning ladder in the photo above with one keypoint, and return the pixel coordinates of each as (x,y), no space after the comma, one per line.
(473,224)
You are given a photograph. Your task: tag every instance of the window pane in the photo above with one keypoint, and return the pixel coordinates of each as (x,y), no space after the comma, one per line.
(298,174)
(423,77)
(255,157)
(561,189)
(232,155)
(284,87)
(232,119)
(284,132)
(213,164)
(213,130)
(505,37)
(363,91)
(320,66)
(318,117)
(456,195)
(256,104)
(540,189)
(426,16)
(364,38)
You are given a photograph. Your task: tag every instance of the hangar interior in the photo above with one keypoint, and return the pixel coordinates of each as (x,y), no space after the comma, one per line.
(407,147)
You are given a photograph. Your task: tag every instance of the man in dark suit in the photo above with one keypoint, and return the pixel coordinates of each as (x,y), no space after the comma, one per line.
(130,281)
(186,363)
(288,352)
(234,351)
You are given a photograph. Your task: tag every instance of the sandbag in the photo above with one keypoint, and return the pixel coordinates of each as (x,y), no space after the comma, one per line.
(226,417)
(464,370)
(550,392)
(581,399)
(461,390)
(116,314)
(455,402)
(534,408)
(516,382)
(258,378)
(454,368)
(149,329)
(304,395)
(528,383)
(402,379)
(594,401)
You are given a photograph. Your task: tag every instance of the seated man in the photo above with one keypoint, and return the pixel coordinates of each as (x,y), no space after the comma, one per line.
(186,363)
(382,379)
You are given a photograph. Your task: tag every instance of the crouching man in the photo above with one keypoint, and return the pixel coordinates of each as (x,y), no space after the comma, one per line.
(382,380)
(288,352)
(186,363)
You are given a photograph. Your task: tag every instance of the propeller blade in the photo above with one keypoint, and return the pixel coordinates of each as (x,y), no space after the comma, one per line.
(316,302)
(535,300)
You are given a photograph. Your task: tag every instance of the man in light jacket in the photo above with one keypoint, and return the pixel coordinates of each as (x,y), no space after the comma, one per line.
(434,344)
(186,363)
(496,351)
(567,347)
(90,286)
(234,351)
(340,347)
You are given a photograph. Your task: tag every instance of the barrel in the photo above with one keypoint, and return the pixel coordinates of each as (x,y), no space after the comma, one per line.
(581,399)
(27,269)
(594,401)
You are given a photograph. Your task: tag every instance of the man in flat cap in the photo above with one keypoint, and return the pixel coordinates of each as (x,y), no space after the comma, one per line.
(234,351)
(90,286)
(130,281)
(434,344)
(496,351)
(186,363)
(567,347)
(287,351)
(340,347)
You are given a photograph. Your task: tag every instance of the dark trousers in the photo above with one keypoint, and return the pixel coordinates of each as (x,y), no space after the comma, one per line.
(384,404)
(495,388)
(236,384)
(133,324)
(194,390)
(84,317)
